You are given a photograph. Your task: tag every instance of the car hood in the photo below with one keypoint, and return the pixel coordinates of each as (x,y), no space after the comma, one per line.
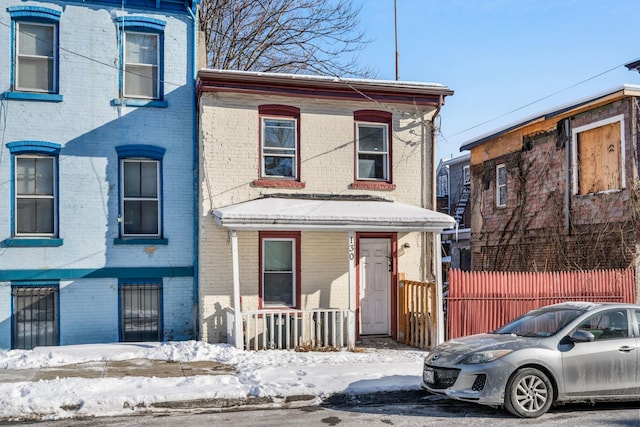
(452,351)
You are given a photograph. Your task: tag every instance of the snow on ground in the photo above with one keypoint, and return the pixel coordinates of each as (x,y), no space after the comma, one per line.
(268,373)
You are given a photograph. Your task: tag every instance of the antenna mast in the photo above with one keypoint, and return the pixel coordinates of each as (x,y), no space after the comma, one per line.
(395,24)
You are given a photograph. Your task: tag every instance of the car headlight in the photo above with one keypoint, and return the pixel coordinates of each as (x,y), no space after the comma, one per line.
(484,356)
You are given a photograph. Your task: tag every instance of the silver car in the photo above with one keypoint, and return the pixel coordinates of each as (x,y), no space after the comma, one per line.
(574,351)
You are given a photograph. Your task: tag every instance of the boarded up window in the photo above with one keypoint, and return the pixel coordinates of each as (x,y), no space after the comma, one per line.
(599,159)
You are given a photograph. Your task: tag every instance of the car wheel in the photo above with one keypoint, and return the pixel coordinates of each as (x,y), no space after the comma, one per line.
(529,393)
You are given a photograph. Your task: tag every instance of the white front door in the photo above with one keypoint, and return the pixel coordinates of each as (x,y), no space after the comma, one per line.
(375,286)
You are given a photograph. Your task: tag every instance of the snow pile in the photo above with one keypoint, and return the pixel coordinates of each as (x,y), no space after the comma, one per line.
(258,373)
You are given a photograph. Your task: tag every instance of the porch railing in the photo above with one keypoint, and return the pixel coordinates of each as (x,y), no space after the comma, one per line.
(296,329)
(418,314)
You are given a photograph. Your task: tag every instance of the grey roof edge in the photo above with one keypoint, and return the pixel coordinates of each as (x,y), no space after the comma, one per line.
(626,89)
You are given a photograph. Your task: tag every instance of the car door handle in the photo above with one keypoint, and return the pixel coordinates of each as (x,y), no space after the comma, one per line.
(626,349)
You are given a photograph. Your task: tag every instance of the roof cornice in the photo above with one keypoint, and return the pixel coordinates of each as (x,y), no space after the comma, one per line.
(431,94)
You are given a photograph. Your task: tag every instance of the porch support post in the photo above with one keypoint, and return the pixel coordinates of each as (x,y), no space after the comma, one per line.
(238,338)
(439,296)
(351,339)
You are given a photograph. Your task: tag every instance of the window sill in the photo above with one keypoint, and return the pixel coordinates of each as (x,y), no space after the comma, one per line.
(32,96)
(140,241)
(139,103)
(31,243)
(372,185)
(273,183)
(266,310)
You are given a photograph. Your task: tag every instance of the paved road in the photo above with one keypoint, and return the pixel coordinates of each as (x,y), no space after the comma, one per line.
(432,414)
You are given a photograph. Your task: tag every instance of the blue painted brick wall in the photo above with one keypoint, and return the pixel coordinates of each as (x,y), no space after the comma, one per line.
(88,128)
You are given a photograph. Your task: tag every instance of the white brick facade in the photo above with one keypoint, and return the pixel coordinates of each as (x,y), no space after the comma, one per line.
(230,128)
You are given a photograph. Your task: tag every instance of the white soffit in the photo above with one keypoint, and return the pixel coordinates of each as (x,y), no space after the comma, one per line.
(273,213)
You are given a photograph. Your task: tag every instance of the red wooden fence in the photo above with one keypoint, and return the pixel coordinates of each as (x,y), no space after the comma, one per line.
(481,301)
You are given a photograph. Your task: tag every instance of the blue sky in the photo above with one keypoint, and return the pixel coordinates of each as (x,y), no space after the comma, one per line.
(503,55)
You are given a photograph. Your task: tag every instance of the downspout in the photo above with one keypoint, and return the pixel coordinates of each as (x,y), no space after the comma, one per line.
(634,188)
(568,190)
(431,159)
(194,164)
(436,257)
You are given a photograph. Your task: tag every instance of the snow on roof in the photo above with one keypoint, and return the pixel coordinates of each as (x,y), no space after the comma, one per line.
(330,214)
(307,78)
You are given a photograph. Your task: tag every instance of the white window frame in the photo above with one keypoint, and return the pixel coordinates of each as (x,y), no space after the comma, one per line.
(155,67)
(293,270)
(384,154)
(53,197)
(574,149)
(443,185)
(291,153)
(466,174)
(500,185)
(124,198)
(51,61)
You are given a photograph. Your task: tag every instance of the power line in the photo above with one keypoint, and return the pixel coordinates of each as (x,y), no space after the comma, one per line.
(539,100)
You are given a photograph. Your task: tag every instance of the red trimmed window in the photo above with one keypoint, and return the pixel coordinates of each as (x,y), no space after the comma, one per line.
(373,145)
(279,142)
(279,269)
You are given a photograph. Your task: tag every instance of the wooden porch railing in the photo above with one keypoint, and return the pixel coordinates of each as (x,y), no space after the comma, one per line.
(297,329)
(418,314)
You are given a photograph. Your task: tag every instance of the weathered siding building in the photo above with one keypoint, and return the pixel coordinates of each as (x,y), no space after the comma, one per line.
(558,191)
(453,187)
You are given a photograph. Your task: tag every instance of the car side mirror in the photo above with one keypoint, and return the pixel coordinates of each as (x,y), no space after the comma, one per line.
(582,336)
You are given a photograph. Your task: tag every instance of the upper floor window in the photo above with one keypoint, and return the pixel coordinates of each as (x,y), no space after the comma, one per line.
(598,156)
(141,65)
(466,174)
(142,47)
(35,49)
(279,142)
(501,185)
(35,195)
(443,185)
(35,188)
(373,150)
(140,201)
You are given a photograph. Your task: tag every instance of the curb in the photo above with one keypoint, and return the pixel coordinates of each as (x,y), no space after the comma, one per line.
(296,401)
(250,403)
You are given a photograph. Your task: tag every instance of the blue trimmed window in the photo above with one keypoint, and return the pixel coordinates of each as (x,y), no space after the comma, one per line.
(140,310)
(141,42)
(35,314)
(34,193)
(140,215)
(34,54)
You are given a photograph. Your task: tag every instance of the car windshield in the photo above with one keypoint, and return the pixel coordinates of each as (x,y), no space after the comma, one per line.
(542,322)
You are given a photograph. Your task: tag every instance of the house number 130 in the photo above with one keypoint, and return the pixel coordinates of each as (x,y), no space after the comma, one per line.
(352,249)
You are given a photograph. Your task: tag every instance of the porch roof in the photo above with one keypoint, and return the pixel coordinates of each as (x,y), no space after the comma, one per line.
(330,213)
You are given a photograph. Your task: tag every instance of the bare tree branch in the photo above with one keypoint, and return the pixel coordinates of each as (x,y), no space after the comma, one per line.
(289,36)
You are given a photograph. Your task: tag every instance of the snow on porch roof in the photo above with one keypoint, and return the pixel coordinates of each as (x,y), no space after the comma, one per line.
(330,213)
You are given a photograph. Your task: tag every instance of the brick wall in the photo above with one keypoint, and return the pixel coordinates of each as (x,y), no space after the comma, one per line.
(229,163)
(88,127)
(530,233)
